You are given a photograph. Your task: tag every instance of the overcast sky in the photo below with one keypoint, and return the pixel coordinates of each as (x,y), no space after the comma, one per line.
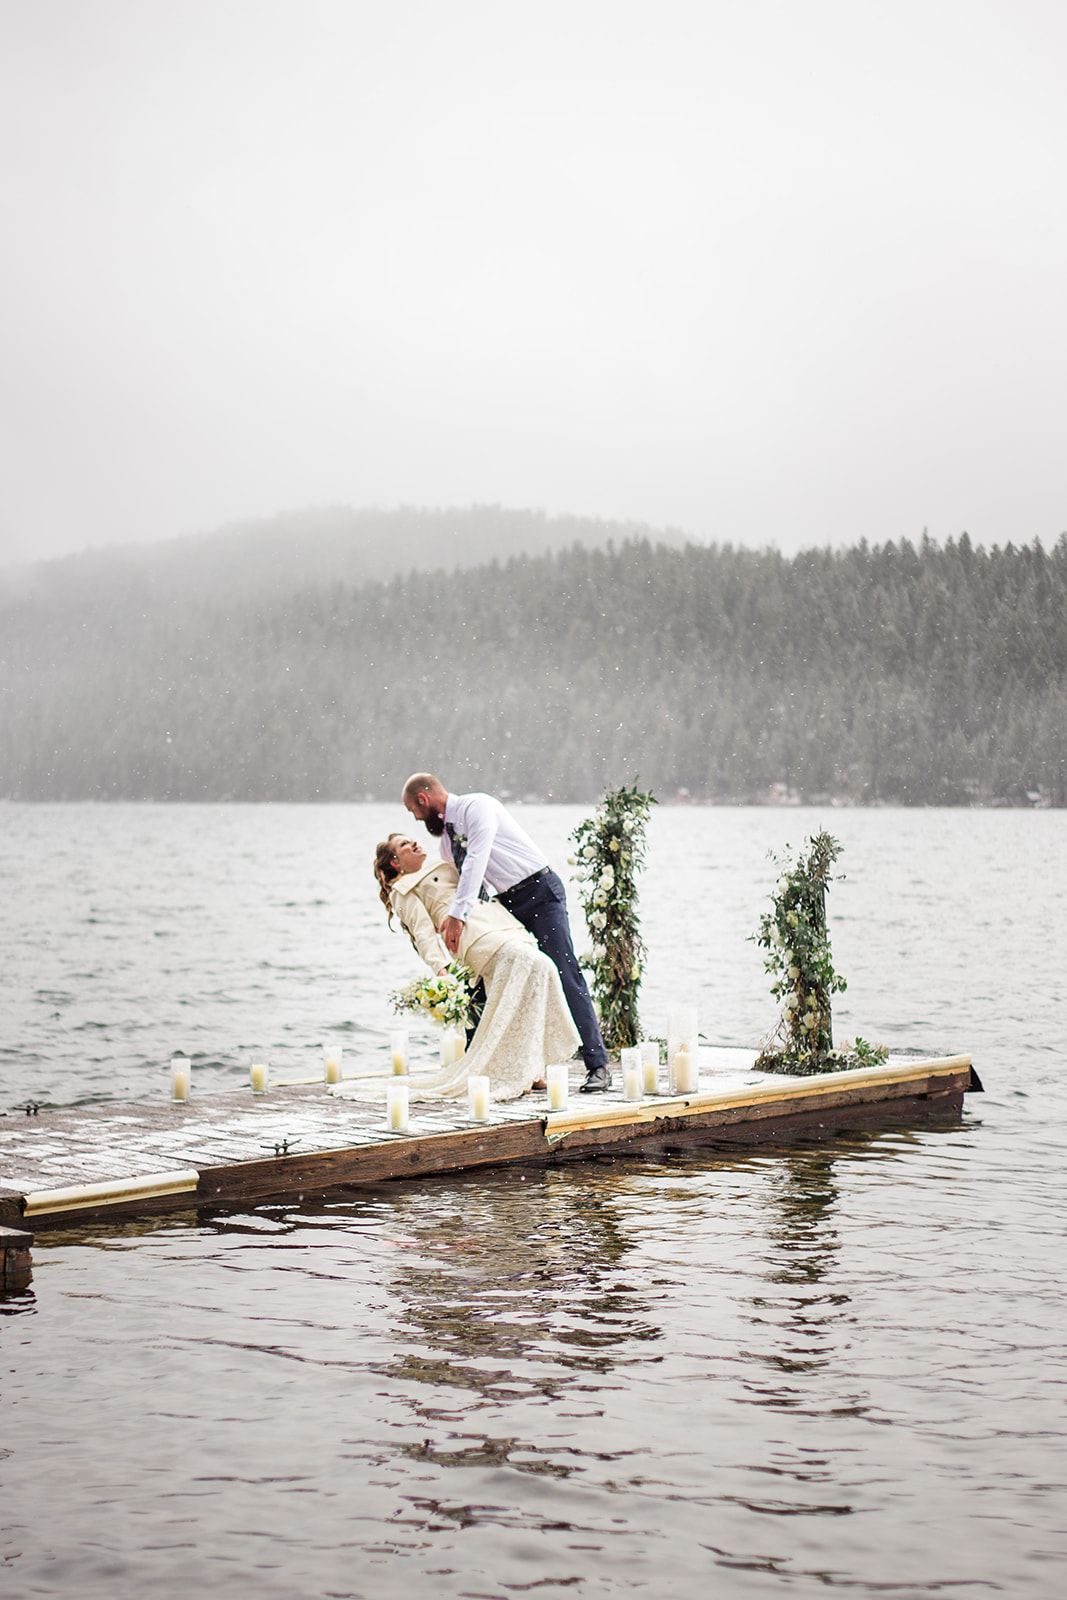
(772,271)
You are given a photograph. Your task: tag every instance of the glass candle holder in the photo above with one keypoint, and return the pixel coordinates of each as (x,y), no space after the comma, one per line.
(260,1076)
(453,1045)
(396,1107)
(478,1097)
(332,1056)
(632,1077)
(650,1066)
(558,1086)
(181,1074)
(398,1045)
(682,1021)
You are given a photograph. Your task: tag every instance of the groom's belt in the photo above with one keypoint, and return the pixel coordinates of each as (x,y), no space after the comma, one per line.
(523,883)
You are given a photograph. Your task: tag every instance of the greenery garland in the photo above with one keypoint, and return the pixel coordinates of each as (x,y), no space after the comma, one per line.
(798,959)
(610,849)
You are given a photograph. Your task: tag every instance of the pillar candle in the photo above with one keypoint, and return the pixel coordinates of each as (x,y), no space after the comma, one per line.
(453,1045)
(558,1087)
(650,1066)
(478,1097)
(260,1077)
(396,1107)
(180,1077)
(685,1076)
(398,1043)
(332,1056)
(630,1061)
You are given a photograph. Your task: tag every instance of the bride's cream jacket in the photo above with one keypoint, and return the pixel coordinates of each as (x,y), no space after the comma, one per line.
(422,900)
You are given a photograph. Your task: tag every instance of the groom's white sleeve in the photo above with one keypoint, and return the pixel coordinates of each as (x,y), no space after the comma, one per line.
(479,826)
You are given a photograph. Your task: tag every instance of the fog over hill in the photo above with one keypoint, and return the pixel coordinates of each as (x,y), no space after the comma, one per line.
(881,674)
(256,561)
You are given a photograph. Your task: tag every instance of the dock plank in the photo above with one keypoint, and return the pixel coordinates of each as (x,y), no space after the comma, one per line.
(228,1149)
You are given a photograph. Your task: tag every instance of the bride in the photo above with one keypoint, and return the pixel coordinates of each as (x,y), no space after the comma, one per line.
(525,1023)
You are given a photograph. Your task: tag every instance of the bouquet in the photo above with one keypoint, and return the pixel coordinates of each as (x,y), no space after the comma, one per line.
(446,997)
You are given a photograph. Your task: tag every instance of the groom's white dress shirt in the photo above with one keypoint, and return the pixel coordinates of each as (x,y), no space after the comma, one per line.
(499,852)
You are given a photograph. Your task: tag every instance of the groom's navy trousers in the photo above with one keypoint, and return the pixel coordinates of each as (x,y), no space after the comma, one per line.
(540,904)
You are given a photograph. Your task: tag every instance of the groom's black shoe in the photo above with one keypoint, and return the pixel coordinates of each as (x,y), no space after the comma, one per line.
(597,1079)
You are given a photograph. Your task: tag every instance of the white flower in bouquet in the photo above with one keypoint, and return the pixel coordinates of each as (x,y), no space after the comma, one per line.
(589,851)
(607,877)
(446,997)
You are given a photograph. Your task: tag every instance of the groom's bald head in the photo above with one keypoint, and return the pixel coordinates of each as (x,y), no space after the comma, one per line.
(422,786)
(426,797)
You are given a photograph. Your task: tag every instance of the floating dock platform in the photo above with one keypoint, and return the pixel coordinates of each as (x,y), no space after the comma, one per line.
(302,1141)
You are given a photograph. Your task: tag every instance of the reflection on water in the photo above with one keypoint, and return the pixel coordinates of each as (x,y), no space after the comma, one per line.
(834,1367)
(647,1375)
(803,1314)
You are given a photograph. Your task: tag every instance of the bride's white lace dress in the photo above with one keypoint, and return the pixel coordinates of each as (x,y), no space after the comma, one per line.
(525,1024)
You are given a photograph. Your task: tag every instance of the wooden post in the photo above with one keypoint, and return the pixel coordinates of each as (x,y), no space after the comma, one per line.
(15,1267)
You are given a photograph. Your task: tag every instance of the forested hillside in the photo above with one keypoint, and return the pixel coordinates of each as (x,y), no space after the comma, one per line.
(903,674)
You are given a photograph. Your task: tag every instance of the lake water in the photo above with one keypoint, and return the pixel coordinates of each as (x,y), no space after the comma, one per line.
(834,1367)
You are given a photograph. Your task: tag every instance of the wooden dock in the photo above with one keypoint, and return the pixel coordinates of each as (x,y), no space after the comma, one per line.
(300,1141)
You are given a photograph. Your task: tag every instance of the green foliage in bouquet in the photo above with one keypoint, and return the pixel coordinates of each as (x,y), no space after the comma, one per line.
(798,959)
(610,849)
(445,998)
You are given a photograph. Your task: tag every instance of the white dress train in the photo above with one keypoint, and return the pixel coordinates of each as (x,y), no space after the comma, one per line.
(525,1026)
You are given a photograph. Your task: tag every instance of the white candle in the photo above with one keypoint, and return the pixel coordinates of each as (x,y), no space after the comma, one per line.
(453,1045)
(650,1065)
(259,1077)
(478,1097)
(398,1044)
(396,1107)
(180,1077)
(332,1055)
(557,1087)
(684,1069)
(630,1061)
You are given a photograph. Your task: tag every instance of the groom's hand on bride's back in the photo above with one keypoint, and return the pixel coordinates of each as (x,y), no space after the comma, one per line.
(451,932)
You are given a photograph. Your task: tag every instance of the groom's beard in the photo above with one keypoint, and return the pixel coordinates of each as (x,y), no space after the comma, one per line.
(434,823)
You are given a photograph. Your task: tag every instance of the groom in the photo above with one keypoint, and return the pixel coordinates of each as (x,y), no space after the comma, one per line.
(485,843)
